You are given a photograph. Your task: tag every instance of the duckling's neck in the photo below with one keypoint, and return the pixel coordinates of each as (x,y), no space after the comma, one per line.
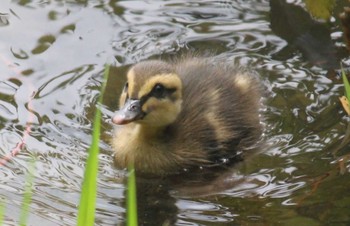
(150,132)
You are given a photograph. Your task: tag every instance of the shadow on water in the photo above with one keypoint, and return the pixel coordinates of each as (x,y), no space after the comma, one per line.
(160,200)
(215,196)
(294,24)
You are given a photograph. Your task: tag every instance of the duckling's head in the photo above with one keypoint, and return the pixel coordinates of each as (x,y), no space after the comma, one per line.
(151,96)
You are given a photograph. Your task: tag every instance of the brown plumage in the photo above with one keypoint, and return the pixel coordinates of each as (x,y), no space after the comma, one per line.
(190,113)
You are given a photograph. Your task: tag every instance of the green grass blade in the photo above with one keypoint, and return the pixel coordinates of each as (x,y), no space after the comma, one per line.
(346,84)
(131,196)
(86,214)
(2,212)
(27,197)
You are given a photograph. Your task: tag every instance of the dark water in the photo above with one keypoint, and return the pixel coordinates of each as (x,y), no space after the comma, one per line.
(52,55)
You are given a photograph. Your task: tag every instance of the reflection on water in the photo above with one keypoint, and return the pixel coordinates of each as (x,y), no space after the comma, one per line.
(52,55)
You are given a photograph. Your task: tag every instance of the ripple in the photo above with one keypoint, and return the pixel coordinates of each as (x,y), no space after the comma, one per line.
(183,25)
(8,106)
(19,53)
(44,43)
(7,111)
(282,190)
(4,19)
(203,211)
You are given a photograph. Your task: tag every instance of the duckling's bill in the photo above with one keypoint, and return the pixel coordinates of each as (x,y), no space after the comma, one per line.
(130,112)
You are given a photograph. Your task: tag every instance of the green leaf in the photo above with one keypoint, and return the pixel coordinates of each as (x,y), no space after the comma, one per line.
(86,214)
(346,83)
(2,212)
(131,196)
(320,9)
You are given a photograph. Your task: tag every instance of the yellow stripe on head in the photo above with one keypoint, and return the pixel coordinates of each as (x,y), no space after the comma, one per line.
(131,81)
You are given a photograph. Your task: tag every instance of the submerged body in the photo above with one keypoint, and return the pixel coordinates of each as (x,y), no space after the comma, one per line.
(186,114)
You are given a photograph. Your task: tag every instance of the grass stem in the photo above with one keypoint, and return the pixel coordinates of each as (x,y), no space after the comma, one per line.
(86,214)
(131,198)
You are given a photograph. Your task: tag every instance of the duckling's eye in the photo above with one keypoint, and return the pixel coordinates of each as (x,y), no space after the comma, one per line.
(125,89)
(158,91)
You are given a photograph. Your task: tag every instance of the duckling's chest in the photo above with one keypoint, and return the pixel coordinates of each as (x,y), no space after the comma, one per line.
(133,144)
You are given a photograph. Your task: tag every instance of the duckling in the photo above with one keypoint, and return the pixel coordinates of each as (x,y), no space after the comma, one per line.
(185,114)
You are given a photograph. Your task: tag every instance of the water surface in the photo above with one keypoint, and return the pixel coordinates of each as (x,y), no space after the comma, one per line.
(52,55)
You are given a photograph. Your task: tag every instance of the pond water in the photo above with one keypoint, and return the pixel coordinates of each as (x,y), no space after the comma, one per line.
(52,56)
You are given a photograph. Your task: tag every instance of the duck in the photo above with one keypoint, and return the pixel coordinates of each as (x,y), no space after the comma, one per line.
(186,114)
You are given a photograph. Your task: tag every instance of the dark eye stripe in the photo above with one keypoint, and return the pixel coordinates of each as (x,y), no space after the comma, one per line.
(126,86)
(158,91)
(125,91)
(155,93)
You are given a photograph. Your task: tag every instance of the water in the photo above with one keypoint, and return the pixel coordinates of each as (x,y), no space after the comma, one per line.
(52,55)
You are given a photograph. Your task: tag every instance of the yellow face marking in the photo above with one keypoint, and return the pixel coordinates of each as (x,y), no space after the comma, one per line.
(167,80)
(161,112)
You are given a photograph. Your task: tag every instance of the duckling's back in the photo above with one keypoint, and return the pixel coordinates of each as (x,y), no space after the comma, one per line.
(219,120)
